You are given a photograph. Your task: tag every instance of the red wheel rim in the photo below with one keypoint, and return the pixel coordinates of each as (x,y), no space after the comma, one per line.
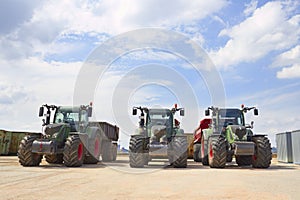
(96,149)
(80,151)
(211,153)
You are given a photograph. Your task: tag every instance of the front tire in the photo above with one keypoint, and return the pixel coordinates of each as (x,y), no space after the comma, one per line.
(217,153)
(180,154)
(74,152)
(204,152)
(197,152)
(137,157)
(25,155)
(263,154)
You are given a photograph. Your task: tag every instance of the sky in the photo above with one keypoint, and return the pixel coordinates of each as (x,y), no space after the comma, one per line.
(253,48)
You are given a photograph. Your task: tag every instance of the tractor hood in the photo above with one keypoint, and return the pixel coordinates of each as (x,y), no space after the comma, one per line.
(238,130)
(50,129)
(158,130)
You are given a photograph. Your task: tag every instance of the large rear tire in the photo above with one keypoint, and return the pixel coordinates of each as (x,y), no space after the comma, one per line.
(217,152)
(179,148)
(25,155)
(243,160)
(197,152)
(55,159)
(137,157)
(204,153)
(74,152)
(93,153)
(263,154)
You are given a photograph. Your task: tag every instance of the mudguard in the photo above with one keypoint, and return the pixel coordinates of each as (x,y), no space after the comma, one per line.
(92,131)
(207,133)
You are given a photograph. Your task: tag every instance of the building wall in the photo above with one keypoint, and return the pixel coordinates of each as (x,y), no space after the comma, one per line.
(296,146)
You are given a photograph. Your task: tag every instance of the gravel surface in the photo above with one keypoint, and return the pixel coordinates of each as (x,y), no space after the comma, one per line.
(117,180)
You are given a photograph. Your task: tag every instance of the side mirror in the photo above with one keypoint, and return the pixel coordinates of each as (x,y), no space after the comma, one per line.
(252,123)
(90,111)
(182,112)
(255,111)
(41,111)
(207,113)
(134,111)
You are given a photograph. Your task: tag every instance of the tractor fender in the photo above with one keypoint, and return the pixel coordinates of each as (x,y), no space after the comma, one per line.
(229,134)
(206,133)
(93,131)
(84,137)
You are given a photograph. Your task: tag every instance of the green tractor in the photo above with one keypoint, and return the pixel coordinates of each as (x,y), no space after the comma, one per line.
(229,136)
(158,137)
(67,137)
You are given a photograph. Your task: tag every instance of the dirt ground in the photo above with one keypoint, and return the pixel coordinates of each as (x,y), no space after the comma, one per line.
(117,180)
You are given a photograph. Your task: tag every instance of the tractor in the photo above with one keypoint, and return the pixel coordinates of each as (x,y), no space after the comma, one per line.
(158,137)
(67,137)
(229,136)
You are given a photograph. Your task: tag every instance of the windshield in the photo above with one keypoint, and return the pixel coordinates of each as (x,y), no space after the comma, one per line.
(231,117)
(67,117)
(159,117)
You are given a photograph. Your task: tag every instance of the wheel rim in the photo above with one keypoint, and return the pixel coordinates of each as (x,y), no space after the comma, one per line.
(80,151)
(211,153)
(96,149)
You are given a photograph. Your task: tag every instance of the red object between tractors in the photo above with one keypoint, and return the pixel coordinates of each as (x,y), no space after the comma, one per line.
(204,124)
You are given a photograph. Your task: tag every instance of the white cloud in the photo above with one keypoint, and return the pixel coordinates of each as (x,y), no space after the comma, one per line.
(290,63)
(28,83)
(35,32)
(289,72)
(268,29)
(250,7)
(288,58)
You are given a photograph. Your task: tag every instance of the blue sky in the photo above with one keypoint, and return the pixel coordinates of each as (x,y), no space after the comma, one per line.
(254,45)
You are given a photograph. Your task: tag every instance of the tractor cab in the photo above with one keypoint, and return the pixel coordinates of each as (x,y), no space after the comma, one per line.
(76,117)
(159,124)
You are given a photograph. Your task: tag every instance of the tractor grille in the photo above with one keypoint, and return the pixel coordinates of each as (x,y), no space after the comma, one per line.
(239,131)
